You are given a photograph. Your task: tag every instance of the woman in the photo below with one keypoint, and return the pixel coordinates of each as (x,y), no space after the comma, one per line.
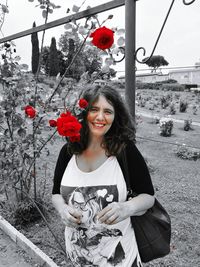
(90,191)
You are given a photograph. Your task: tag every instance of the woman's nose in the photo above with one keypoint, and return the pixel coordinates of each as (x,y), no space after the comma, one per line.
(100,115)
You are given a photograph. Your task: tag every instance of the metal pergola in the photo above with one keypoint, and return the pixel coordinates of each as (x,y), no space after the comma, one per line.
(129,40)
(130,33)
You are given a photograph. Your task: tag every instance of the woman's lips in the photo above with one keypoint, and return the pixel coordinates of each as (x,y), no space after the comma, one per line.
(98,125)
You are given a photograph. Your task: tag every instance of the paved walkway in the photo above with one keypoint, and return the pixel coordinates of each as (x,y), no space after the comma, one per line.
(149,115)
(11,255)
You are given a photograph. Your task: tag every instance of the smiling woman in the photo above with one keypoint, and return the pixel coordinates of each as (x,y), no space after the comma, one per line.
(90,188)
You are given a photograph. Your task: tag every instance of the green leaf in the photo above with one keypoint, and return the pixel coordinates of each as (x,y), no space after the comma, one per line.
(109,61)
(75,8)
(110,16)
(105,69)
(68,26)
(120,31)
(121,41)
(44,14)
(21,132)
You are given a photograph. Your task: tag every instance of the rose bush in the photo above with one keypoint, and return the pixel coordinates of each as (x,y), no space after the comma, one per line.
(26,108)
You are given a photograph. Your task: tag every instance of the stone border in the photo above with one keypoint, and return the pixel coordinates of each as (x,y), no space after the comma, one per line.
(35,253)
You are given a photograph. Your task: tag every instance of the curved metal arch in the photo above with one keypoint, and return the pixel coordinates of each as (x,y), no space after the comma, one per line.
(188,3)
(142,48)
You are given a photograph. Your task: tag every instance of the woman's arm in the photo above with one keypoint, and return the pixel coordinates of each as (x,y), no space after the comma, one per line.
(139,205)
(119,211)
(58,202)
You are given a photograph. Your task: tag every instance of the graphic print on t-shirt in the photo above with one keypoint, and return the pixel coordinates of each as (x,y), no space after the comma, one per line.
(92,243)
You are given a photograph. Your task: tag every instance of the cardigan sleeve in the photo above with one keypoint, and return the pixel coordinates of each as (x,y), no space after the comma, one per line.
(61,165)
(140,179)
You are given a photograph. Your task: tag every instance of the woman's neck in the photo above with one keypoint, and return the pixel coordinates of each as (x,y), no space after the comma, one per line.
(95,145)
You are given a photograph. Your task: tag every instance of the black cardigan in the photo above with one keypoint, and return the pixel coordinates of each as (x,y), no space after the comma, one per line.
(140,180)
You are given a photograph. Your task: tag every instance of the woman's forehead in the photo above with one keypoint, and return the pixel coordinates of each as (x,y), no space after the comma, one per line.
(101,99)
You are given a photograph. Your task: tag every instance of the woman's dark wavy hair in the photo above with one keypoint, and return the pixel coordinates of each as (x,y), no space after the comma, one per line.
(122,128)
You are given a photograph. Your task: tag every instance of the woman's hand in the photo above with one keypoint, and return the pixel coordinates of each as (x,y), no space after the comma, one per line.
(70,216)
(113,213)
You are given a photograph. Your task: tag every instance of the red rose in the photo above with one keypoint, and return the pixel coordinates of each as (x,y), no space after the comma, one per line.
(52,123)
(30,111)
(75,138)
(68,113)
(103,38)
(83,103)
(68,126)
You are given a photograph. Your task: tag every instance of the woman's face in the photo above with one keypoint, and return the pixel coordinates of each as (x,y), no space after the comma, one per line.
(100,117)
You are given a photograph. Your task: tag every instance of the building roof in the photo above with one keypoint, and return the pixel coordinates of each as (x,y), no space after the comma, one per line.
(185,70)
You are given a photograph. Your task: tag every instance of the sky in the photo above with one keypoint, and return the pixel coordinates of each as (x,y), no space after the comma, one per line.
(179,42)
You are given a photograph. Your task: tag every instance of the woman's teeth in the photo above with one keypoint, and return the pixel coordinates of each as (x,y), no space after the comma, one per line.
(98,125)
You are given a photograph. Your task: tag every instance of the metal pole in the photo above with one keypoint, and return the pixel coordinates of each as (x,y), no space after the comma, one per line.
(130,26)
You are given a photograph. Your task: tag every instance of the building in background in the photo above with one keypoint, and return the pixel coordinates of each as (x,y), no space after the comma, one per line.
(182,76)
(186,76)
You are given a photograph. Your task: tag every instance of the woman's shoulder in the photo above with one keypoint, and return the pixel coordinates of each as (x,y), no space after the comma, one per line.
(64,152)
(130,145)
(132,150)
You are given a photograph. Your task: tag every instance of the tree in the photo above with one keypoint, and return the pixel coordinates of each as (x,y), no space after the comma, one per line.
(155,62)
(107,75)
(53,59)
(44,59)
(35,51)
(88,59)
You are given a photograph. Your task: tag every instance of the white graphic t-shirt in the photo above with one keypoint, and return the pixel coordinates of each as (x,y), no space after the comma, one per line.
(93,243)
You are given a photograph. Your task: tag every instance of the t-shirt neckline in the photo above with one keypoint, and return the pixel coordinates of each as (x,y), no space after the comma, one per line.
(91,172)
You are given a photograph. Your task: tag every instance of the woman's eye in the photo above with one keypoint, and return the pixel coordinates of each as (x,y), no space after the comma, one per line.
(108,111)
(93,109)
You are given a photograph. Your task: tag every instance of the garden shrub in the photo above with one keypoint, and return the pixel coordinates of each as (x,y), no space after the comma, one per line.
(166,126)
(183,105)
(172,87)
(27,213)
(187,125)
(172,109)
(194,109)
(155,120)
(165,100)
(189,153)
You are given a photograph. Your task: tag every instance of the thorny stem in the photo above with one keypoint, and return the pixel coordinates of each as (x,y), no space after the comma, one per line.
(10,131)
(35,103)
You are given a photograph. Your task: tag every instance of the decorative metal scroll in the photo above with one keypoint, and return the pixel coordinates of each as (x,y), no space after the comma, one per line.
(122,51)
(143,49)
(188,3)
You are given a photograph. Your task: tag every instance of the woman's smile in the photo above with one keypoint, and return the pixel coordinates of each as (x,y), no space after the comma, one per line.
(98,125)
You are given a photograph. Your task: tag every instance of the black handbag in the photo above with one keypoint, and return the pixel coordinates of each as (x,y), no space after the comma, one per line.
(152,229)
